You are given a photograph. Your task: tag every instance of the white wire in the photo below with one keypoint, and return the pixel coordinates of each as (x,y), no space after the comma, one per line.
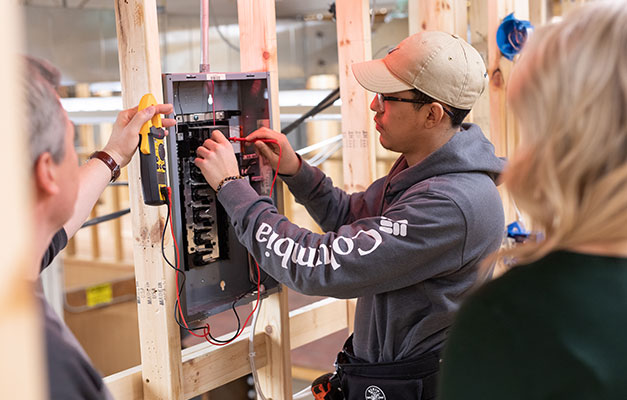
(518,214)
(251,352)
(324,154)
(374,4)
(303,394)
(318,145)
(322,158)
(314,160)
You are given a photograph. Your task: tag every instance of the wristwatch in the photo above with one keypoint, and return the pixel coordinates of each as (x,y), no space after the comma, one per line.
(109,162)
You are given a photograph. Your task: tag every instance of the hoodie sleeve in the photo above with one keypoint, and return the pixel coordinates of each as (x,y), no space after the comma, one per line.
(329,206)
(420,237)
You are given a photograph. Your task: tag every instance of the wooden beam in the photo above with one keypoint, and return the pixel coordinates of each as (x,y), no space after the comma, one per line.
(354,45)
(438,15)
(21,339)
(539,12)
(504,132)
(258,46)
(127,384)
(351,307)
(478,24)
(210,367)
(258,52)
(311,322)
(140,72)
(204,365)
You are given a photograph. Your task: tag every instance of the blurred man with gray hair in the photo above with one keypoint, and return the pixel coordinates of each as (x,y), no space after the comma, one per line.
(64,194)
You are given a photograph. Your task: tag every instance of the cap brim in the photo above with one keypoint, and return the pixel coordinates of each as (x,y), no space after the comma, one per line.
(376,77)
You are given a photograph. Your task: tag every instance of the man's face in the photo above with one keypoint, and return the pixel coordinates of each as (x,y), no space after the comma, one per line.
(68,176)
(398,123)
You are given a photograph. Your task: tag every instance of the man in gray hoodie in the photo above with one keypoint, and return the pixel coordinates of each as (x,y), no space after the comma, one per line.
(410,246)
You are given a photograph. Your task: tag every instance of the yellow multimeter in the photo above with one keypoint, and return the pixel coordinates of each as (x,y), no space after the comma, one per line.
(152,156)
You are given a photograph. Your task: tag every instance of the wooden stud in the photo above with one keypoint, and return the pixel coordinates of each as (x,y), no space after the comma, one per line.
(116,205)
(21,339)
(438,15)
(308,322)
(539,12)
(258,52)
(114,196)
(88,146)
(351,307)
(140,72)
(478,15)
(504,132)
(258,45)
(354,45)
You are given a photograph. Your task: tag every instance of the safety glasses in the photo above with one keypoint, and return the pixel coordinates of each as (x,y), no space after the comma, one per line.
(381,99)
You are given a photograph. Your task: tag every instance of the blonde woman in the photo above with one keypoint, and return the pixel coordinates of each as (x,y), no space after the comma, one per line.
(554,327)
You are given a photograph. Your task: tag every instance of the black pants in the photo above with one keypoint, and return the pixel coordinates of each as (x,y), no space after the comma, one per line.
(400,380)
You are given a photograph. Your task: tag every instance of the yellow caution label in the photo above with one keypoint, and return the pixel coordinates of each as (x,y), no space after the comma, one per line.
(99,294)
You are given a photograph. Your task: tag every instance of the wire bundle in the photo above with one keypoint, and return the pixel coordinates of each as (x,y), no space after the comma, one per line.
(179,316)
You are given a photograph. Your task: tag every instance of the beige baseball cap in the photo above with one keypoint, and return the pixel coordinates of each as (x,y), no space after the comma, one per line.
(439,64)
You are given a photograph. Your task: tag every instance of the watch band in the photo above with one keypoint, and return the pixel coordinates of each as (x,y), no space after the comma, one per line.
(109,162)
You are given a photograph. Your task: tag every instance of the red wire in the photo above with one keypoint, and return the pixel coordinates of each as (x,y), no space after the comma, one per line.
(278,164)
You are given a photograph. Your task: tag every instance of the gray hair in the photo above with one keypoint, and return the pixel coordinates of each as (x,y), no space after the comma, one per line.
(46,121)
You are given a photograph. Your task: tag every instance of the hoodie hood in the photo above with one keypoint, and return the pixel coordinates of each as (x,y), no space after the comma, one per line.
(467,151)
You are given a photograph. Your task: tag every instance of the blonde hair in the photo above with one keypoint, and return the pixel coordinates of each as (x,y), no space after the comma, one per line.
(569,92)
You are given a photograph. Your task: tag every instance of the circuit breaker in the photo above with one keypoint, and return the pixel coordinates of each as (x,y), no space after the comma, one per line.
(219,271)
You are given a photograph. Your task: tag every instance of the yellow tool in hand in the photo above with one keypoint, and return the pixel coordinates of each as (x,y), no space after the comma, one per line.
(152,156)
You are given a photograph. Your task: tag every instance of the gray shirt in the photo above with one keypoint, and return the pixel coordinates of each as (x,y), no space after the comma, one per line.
(409,247)
(70,373)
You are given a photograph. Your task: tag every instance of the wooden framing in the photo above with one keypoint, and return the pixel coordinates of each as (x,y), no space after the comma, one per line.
(478,22)
(539,12)
(441,15)
(21,339)
(354,45)
(504,132)
(166,372)
(258,52)
(207,367)
(140,72)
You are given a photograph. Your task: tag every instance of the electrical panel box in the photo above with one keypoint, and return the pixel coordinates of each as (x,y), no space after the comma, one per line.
(218,269)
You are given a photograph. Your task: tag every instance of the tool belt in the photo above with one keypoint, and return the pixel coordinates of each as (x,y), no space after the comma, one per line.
(356,379)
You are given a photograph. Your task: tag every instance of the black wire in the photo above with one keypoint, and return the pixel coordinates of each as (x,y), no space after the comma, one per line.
(182,284)
(239,323)
(116,183)
(178,95)
(323,105)
(105,218)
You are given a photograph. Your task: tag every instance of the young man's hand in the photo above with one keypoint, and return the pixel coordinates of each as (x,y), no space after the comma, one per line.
(216,159)
(125,135)
(290,163)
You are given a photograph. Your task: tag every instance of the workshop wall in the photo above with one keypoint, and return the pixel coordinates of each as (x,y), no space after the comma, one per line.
(82,44)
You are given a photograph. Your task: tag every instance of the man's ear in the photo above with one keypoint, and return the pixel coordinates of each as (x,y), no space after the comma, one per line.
(435,115)
(46,175)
